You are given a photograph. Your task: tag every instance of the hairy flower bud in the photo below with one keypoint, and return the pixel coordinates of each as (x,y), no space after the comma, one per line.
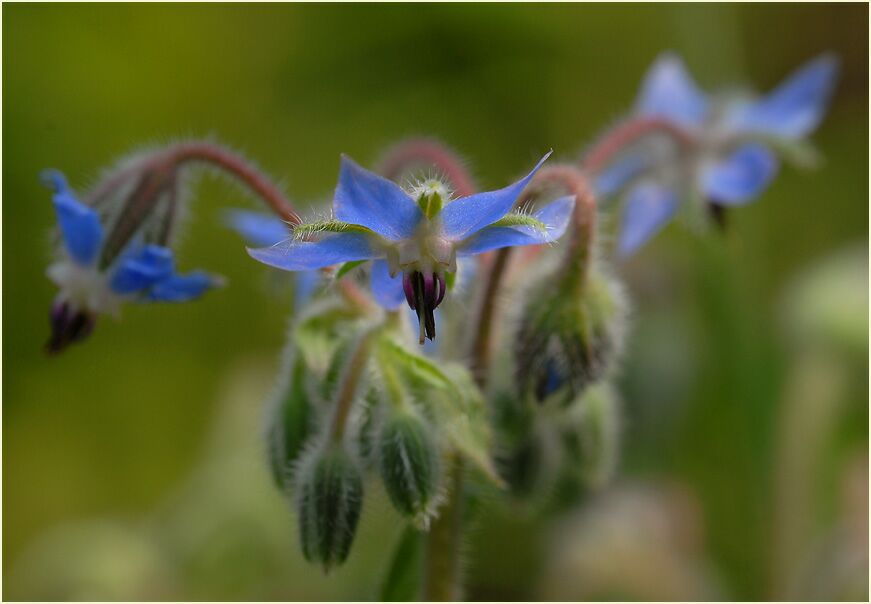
(526,456)
(569,337)
(290,422)
(330,497)
(591,435)
(409,464)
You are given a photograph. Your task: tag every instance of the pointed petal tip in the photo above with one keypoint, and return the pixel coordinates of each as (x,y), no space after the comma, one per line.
(53,180)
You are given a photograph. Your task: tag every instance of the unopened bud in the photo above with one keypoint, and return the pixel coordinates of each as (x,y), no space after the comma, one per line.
(409,464)
(290,425)
(330,497)
(527,456)
(591,435)
(568,337)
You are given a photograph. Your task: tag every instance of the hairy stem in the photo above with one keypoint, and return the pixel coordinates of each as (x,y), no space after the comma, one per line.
(236,166)
(422,152)
(481,344)
(628,132)
(582,230)
(441,578)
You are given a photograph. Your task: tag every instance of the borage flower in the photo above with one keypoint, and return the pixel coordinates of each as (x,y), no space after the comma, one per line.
(95,278)
(261,229)
(728,157)
(419,233)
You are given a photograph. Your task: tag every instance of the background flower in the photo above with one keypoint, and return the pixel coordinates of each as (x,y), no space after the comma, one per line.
(730,155)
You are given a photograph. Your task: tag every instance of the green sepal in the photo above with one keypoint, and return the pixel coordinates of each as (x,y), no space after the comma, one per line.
(347,268)
(308,230)
(520,219)
(431,204)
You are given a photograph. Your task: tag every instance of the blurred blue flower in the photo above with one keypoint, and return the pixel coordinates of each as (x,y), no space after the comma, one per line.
(418,233)
(733,138)
(89,286)
(264,230)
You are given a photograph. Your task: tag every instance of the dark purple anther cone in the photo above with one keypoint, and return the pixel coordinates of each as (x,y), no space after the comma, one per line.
(424,292)
(68,325)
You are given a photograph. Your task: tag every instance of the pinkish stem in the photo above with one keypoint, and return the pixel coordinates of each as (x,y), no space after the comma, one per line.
(616,140)
(423,152)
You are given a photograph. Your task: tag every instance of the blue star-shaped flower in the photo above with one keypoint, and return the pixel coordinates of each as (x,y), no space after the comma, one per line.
(140,272)
(730,159)
(419,234)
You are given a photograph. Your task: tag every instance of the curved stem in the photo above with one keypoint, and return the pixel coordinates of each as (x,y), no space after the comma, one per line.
(628,132)
(238,167)
(583,227)
(417,152)
(481,346)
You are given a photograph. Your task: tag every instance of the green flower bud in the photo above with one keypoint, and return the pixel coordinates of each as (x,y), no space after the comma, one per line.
(591,436)
(526,456)
(290,423)
(409,464)
(569,337)
(330,497)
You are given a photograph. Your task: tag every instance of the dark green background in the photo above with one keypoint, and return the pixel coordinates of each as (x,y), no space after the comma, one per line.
(115,432)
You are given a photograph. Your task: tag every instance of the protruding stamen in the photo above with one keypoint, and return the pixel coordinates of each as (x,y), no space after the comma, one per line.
(68,325)
(424,292)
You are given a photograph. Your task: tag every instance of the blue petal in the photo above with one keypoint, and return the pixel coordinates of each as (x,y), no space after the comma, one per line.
(79,224)
(740,177)
(309,255)
(668,91)
(648,208)
(796,107)
(258,228)
(468,215)
(181,288)
(387,290)
(372,201)
(142,269)
(555,216)
(612,179)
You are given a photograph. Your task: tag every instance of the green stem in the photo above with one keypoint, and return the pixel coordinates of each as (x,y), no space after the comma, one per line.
(441,578)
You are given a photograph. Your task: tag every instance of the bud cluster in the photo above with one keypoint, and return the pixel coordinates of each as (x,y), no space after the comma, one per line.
(357,400)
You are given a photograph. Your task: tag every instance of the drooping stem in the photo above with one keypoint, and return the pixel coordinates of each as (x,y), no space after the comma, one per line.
(159,171)
(422,152)
(481,342)
(238,167)
(627,133)
(582,229)
(441,579)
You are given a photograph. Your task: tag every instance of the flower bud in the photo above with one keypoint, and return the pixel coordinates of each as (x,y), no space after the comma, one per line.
(290,425)
(569,337)
(330,497)
(409,464)
(526,456)
(591,436)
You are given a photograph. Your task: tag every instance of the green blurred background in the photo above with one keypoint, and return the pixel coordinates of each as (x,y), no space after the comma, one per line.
(132,464)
